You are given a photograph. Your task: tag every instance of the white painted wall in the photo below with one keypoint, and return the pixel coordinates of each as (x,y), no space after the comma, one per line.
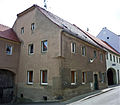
(110,37)
(114,65)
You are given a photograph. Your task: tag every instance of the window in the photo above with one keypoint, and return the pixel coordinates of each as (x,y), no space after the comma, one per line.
(106,55)
(43,74)
(95,54)
(30,77)
(107,37)
(113,58)
(117,59)
(44,46)
(33,26)
(101,57)
(9,50)
(110,57)
(73,47)
(83,77)
(73,77)
(103,77)
(22,30)
(30,49)
(83,50)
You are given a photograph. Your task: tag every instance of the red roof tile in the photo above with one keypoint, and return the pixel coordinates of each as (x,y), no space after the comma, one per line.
(8,33)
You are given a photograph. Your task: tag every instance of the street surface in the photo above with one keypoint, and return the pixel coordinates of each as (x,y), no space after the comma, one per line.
(109,98)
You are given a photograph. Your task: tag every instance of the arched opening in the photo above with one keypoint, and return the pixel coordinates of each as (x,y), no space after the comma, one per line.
(7,84)
(111,75)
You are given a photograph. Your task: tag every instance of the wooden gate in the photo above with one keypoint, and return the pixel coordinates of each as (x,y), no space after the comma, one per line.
(6,86)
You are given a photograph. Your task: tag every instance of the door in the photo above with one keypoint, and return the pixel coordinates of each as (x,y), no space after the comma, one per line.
(6,86)
(96,82)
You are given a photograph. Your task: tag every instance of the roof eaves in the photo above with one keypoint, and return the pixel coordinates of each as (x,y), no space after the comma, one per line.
(27,10)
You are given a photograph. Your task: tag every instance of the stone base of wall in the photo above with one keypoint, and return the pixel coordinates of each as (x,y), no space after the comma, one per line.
(37,94)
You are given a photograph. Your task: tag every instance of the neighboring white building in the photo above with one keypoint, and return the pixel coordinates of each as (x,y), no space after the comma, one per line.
(113,68)
(112,61)
(111,38)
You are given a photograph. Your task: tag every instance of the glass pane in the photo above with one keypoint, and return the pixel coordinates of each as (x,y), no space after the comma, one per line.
(44,46)
(44,76)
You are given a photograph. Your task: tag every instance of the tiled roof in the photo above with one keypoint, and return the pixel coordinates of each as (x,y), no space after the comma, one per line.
(101,43)
(8,33)
(68,27)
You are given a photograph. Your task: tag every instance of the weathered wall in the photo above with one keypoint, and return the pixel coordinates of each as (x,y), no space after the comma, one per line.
(44,30)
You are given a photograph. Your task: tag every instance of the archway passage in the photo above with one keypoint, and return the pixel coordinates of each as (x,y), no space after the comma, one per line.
(6,86)
(111,75)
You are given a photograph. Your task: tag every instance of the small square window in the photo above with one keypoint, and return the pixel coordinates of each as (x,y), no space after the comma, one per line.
(73,47)
(43,74)
(44,46)
(30,77)
(107,37)
(33,26)
(9,50)
(22,30)
(73,77)
(30,49)
(83,50)
(83,77)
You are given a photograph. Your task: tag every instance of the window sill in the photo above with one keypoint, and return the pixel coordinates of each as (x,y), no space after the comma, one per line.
(30,53)
(73,83)
(30,83)
(44,84)
(83,83)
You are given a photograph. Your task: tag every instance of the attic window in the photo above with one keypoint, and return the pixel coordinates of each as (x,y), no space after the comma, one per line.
(22,30)
(107,37)
(33,26)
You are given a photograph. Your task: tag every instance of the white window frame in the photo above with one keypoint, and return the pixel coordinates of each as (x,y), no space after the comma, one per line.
(11,50)
(42,45)
(41,77)
(28,82)
(74,83)
(29,49)
(73,47)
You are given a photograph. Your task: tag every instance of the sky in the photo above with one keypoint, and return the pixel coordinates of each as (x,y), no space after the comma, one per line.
(92,14)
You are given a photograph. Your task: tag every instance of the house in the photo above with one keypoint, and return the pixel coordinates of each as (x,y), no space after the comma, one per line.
(9,60)
(111,38)
(57,59)
(112,61)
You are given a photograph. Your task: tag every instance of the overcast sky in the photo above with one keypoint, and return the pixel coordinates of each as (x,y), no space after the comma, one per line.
(92,14)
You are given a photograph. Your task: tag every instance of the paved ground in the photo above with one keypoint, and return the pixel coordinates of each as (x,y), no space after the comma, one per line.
(109,98)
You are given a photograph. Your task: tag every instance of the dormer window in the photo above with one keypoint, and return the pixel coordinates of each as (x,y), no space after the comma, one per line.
(22,30)
(33,26)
